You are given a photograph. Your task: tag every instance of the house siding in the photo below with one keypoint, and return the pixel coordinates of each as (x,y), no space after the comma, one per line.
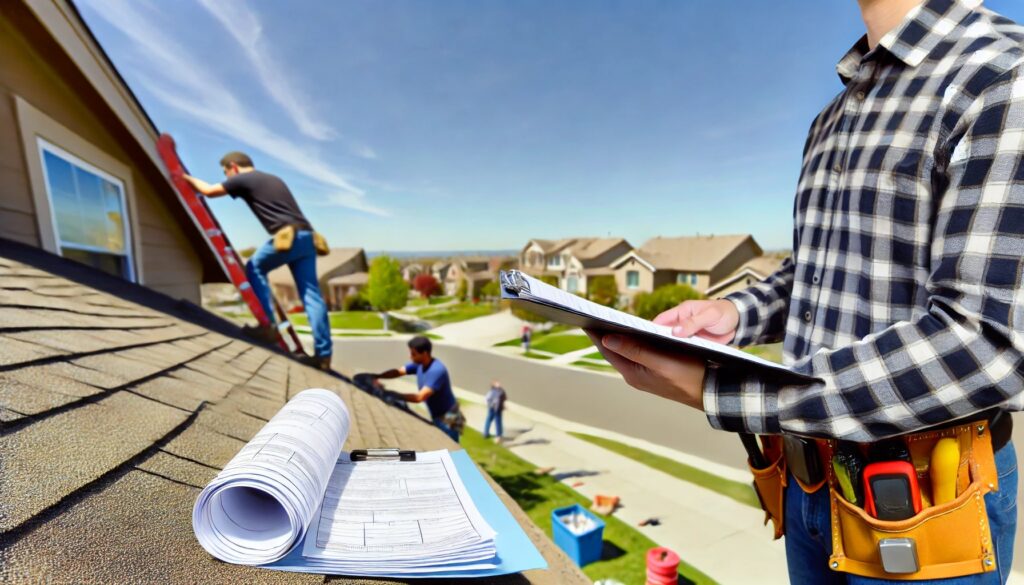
(646,278)
(163,254)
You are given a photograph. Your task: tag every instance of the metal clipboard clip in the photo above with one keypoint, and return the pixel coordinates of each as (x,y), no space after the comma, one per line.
(513,282)
(382,455)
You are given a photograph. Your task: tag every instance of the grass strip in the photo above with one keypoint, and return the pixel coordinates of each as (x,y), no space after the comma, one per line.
(739,491)
(625,548)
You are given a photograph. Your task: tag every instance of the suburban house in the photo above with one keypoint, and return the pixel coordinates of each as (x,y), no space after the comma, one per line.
(341,273)
(749,274)
(572,261)
(698,261)
(476,270)
(120,397)
(440,270)
(411,270)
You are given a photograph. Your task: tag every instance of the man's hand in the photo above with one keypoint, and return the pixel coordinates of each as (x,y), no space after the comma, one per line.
(653,370)
(714,320)
(204,187)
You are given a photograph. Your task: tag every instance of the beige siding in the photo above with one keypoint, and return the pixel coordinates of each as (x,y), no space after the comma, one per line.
(168,264)
(646,278)
(742,254)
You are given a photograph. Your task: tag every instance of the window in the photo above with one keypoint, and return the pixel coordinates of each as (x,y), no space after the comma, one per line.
(680,278)
(632,279)
(555,260)
(90,214)
(693,278)
(572,284)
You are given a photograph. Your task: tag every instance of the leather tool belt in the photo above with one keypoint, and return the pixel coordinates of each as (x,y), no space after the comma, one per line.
(946,540)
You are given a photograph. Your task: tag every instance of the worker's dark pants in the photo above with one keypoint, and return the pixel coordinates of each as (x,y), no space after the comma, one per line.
(809,537)
(301,259)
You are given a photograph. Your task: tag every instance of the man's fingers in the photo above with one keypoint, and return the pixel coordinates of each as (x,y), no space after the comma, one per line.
(676,314)
(697,322)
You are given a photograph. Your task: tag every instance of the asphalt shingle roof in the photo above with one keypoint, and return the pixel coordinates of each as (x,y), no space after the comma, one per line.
(118,404)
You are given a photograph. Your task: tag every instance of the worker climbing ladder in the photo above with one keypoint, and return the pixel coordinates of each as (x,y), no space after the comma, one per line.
(229,260)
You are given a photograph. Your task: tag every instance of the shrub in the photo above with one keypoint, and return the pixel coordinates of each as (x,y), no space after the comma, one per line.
(603,290)
(426,285)
(649,305)
(356,302)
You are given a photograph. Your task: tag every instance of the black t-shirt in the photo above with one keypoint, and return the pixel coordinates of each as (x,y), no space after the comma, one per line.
(268,198)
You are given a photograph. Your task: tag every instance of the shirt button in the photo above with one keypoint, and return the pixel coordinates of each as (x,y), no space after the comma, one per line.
(815,279)
(837,168)
(807,316)
(860,95)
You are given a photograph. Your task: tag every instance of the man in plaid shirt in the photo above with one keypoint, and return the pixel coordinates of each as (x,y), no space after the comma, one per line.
(904,293)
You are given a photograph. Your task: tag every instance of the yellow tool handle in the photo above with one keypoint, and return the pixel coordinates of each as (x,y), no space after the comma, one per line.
(944,464)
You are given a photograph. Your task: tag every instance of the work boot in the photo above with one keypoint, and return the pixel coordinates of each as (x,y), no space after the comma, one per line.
(264,333)
(320,362)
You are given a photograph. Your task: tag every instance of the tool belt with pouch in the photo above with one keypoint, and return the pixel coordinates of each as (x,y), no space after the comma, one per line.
(285,237)
(951,539)
(454,419)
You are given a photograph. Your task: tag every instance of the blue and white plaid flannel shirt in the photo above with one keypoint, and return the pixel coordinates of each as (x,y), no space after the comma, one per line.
(904,292)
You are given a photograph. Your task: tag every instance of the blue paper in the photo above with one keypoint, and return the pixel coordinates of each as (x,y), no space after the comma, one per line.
(516,552)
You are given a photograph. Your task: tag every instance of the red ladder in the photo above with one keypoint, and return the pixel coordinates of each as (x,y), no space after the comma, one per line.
(226,255)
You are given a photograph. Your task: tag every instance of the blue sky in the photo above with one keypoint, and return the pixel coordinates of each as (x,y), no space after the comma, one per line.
(460,124)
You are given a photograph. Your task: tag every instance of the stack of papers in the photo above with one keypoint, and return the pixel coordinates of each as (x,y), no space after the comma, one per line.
(289,490)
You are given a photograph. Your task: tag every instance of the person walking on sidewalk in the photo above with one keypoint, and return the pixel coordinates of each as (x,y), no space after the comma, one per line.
(293,243)
(526,337)
(495,406)
(435,387)
(903,298)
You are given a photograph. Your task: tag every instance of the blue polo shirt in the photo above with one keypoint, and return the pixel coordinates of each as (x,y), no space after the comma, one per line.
(435,376)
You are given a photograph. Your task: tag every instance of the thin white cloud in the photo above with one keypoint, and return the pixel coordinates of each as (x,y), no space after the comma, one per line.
(245,27)
(185,84)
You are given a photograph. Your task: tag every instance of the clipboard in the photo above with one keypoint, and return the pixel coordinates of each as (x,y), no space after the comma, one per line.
(555,304)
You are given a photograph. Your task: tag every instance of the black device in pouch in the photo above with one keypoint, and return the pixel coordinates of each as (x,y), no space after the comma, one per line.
(803,459)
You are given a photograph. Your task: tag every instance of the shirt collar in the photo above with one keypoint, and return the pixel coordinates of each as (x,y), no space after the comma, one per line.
(924,27)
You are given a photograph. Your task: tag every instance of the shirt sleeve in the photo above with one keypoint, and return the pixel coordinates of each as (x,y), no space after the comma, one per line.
(236,186)
(410,368)
(763,307)
(964,352)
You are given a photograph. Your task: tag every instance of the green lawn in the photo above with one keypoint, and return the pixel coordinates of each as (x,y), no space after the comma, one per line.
(456,313)
(536,356)
(562,343)
(538,495)
(771,352)
(538,337)
(739,491)
(594,356)
(596,367)
(433,336)
(346,320)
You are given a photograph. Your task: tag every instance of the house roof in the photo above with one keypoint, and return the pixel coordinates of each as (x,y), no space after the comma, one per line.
(759,268)
(324,265)
(354,279)
(584,249)
(118,404)
(691,253)
(83,64)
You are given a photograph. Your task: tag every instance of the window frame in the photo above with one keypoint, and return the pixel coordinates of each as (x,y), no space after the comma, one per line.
(42,147)
(637,284)
(34,123)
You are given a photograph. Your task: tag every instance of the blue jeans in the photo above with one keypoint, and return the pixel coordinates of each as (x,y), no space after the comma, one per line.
(301,259)
(439,423)
(495,416)
(809,536)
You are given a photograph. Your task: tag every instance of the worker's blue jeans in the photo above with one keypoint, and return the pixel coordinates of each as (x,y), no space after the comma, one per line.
(493,415)
(439,423)
(301,259)
(809,537)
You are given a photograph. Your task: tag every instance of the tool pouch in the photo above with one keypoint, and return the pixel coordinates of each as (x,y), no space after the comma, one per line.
(283,238)
(948,540)
(770,483)
(320,244)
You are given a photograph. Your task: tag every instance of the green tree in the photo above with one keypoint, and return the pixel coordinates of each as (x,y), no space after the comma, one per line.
(386,289)
(463,291)
(548,279)
(649,305)
(603,290)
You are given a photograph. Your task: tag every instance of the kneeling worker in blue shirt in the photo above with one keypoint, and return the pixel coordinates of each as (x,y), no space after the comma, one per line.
(435,387)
